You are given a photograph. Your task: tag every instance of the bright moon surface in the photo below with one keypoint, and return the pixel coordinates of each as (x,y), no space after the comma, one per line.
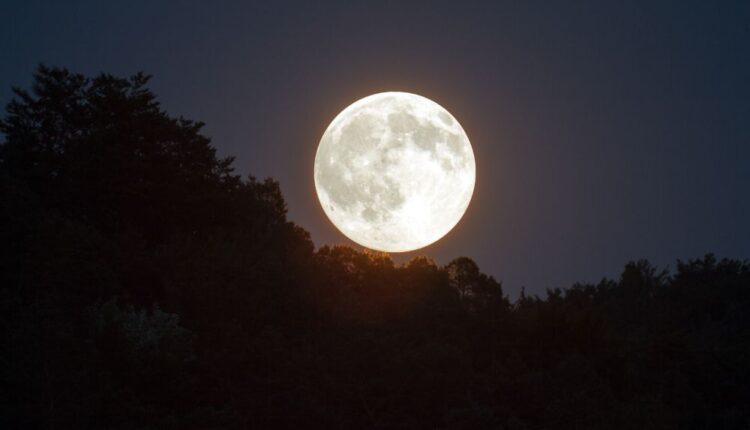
(394,171)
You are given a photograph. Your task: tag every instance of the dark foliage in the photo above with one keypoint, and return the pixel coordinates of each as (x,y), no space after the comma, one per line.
(144,285)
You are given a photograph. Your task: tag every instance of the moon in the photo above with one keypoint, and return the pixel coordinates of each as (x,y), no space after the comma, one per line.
(394,171)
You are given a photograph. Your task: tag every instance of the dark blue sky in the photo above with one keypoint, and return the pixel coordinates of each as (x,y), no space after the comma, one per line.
(603,132)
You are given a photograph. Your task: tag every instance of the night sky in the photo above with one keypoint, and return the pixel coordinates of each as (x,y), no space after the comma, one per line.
(603,133)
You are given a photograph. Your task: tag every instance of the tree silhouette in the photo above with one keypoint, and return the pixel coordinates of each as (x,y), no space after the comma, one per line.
(145,285)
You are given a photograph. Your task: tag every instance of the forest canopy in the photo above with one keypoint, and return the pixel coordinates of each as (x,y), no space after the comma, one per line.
(144,284)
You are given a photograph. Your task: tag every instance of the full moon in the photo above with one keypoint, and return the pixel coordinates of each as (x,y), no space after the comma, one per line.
(394,171)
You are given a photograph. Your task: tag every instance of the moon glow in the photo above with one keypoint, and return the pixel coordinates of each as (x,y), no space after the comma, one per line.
(394,171)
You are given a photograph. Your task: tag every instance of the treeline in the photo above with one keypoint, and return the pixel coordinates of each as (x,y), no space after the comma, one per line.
(144,285)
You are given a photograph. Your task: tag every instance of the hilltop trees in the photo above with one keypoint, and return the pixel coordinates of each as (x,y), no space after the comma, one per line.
(145,285)
(107,199)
